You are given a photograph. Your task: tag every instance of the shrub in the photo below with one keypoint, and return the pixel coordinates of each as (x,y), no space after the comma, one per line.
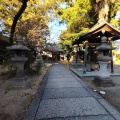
(38,66)
(8,67)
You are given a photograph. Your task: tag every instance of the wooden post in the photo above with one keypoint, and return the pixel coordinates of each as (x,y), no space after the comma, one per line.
(76,56)
(85,60)
(112,70)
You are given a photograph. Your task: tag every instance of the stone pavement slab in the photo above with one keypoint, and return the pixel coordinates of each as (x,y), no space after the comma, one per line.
(61,80)
(104,117)
(65,93)
(63,84)
(52,108)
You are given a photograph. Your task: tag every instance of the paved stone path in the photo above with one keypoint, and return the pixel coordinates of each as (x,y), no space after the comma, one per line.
(63,96)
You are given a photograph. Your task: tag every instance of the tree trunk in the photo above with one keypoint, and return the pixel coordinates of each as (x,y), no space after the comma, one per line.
(17,16)
(103,9)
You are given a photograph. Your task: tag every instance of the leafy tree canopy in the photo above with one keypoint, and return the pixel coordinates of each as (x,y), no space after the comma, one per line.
(33,22)
(81,15)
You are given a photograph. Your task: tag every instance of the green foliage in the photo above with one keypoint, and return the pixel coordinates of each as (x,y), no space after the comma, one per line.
(8,67)
(115,22)
(77,17)
(67,38)
(38,67)
(118,57)
(114,7)
(76,14)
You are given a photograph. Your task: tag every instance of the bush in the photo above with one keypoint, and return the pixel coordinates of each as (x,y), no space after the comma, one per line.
(8,67)
(38,67)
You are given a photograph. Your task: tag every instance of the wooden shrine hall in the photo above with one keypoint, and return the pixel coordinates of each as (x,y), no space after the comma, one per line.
(92,38)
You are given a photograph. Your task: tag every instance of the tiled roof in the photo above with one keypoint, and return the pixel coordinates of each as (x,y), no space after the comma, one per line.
(54,48)
(96,30)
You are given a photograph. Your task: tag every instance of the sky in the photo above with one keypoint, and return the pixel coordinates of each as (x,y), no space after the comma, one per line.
(1,25)
(56,27)
(117,15)
(55,30)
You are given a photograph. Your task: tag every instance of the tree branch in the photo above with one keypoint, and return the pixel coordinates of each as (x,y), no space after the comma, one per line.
(16,18)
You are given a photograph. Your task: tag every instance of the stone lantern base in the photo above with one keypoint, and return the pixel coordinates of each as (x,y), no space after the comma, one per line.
(103,82)
(20,83)
(103,79)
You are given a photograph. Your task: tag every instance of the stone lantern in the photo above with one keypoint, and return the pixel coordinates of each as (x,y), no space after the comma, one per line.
(20,80)
(76,60)
(103,78)
(38,56)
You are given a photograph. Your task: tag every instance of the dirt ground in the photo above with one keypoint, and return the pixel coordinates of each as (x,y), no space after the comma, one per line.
(14,102)
(112,93)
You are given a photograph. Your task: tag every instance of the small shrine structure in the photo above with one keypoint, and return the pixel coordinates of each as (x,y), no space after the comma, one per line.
(54,51)
(100,29)
(93,38)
